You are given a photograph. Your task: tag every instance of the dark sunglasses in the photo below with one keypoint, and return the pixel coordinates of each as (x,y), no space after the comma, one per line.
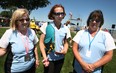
(59,13)
(96,20)
(22,20)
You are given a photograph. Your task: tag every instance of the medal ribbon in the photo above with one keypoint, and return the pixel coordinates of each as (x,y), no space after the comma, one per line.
(26,44)
(90,42)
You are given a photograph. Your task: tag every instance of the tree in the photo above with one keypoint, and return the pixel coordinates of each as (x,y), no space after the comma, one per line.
(6,14)
(28,4)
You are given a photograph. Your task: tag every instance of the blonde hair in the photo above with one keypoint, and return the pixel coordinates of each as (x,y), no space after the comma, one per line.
(16,16)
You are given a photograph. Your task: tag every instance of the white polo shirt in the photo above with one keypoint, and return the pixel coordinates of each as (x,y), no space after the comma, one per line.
(18,64)
(100,44)
(59,38)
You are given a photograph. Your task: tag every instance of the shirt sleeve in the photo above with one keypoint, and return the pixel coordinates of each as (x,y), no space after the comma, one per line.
(77,37)
(5,38)
(68,33)
(43,28)
(35,37)
(109,42)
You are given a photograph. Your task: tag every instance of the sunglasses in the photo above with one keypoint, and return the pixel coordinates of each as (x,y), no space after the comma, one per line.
(22,20)
(59,13)
(96,20)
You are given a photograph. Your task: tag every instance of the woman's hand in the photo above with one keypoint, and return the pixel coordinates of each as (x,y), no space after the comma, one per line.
(89,68)
(62,51)
(37,63)
(46,62)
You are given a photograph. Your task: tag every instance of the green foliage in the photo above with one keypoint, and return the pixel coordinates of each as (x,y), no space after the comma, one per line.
(110,67)
(2,60)
(2,30)
(29,4)
(6,14)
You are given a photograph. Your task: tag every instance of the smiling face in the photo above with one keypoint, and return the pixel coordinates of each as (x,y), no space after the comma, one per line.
(95,20)
(58,14)
(57,10)
(23,22)
(94,24)
(20,19)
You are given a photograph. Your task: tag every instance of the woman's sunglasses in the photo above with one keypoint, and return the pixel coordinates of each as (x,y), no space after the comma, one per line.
(96,20)
(59,13)
(22,20)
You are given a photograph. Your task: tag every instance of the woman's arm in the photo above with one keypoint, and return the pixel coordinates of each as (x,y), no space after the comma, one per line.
(42,49)
(105,59)
(42,46)
(36,57)
(2,51)
(110,45)
(84,65)
(65,48)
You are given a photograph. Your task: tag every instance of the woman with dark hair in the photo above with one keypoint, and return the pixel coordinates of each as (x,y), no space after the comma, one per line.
(92,47)
(53,40)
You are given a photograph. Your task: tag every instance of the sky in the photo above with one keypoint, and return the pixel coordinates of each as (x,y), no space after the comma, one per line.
(80,9)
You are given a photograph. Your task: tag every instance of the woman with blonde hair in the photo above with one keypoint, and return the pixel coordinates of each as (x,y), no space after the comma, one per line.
(19,42)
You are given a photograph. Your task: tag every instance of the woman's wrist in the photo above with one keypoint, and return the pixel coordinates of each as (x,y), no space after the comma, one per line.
(37,59)
(45,60)
(95,66)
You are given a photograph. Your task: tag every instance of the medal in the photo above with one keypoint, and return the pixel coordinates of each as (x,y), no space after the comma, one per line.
(26,45)
(27,57)
(88,53)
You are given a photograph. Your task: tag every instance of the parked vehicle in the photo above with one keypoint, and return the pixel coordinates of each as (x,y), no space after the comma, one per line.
(4,21)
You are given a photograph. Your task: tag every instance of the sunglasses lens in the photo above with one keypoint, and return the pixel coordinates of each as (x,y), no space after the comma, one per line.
(97,21)
(92,20)
(22,20)
(59,13)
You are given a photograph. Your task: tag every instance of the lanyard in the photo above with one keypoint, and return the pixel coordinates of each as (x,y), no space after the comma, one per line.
(26,43)
(90,42)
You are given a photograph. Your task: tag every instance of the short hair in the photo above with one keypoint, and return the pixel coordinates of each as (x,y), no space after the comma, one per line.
(17,14)
(96,14)
(50,15)
(68,22)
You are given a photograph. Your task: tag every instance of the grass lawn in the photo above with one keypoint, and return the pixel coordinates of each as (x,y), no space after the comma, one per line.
(67,67)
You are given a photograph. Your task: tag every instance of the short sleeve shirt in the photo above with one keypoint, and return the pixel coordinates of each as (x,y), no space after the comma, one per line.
(101,43)
(18,49)
(59,36)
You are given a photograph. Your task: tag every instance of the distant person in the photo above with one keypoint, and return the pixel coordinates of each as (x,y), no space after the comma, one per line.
(110,31)
(32,24)
(105,29)
(19,42)
(68,24)
(78,28)
(92,47)
(70,39)
(54,40)
(40,24)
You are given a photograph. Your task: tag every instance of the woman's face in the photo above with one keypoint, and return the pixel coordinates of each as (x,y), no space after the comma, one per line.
(23,23)
(58,14)
(94,24)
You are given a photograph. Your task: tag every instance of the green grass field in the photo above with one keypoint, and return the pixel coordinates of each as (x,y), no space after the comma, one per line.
(67,67)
